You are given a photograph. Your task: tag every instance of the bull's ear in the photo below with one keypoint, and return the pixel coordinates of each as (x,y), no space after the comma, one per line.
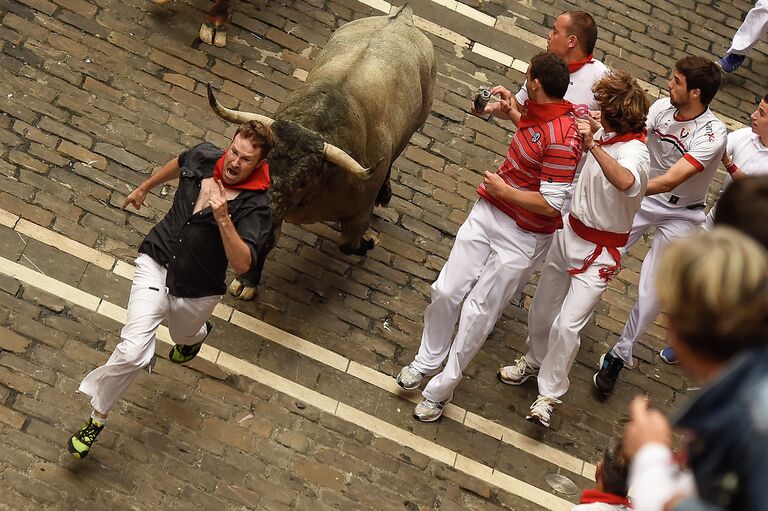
(235,115)
(341,159)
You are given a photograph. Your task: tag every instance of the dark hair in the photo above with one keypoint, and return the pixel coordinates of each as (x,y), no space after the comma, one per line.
(766,98)
(615,469)
(623,104)
(744,206)
(583,26)
(552,72)
(701,74)
(258,134)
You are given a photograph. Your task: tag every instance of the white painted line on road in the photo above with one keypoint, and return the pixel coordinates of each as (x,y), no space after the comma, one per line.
(290,341)
(379,5)
(48,284)
(492,54)
(373,377)
(65,244)
(234,365)
(472,13)
(8,219)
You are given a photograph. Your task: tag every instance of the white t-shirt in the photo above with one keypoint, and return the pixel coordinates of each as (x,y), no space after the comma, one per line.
(579,89)
(599,204)
(701,141)
(749,154)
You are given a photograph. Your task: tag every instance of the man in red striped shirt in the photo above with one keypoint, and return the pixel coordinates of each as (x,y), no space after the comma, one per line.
(508,231)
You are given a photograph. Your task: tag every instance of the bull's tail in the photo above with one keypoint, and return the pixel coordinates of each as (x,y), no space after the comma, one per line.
(405,14)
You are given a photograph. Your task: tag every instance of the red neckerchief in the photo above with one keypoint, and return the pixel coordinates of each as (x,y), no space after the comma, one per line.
(575,66)
(258,180)
(593,496)
(540,113)
(624,137)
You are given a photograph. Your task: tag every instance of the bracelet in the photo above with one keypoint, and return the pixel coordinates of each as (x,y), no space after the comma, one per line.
(590,149)
(731,168)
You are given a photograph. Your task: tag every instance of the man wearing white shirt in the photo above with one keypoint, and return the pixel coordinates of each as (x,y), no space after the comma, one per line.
(746,153)
(585,253)
(572,38)
(685,142)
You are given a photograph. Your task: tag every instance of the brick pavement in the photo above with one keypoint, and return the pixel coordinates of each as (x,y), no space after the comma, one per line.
(95,94)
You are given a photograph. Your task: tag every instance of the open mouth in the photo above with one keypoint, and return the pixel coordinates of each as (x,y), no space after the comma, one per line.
(230,175)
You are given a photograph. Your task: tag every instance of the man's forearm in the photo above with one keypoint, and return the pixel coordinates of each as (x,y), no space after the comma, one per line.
(659,185)
(617,175)
(530,200)
(167,172)
(237,251)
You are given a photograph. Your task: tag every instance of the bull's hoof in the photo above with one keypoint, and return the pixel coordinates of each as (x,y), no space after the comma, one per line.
(242,291)
(220,39)
(206,33)
(367,242)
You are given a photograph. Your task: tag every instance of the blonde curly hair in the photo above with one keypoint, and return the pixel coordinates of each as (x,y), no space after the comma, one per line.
(623,103)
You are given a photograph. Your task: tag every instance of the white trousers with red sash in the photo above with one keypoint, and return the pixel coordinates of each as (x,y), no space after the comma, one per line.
(491,261)
(562,305)
(148,305)
(671,223)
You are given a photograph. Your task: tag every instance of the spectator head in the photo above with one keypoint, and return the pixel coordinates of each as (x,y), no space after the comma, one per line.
(547,73)
(623,104)
(759,120)
(714,288)
(573,33)
(744,206)
(611,474)
(695,79)
(258,134)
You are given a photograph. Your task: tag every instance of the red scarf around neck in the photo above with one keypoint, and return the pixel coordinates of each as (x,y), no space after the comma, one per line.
(624,137)
(593,496)
(258,180)
(575,66)
(540,113)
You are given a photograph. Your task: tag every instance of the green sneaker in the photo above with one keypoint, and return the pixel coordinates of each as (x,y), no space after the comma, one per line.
(80,443)
(183,353)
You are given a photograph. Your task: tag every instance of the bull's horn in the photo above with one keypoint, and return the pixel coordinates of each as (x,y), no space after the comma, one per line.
(341,159)
(235,115)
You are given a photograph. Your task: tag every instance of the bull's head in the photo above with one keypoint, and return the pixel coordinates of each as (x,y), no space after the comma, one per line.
(330,152)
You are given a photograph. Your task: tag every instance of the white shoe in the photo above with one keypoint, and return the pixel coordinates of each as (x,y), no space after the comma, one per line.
(541,410)
(518,373)
(428,410)
(409,378)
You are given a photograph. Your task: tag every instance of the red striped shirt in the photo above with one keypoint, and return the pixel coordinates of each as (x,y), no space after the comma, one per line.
(547,152)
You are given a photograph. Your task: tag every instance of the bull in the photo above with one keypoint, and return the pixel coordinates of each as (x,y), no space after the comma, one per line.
(338,133)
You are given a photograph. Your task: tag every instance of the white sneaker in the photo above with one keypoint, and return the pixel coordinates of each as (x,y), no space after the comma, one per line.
(429,411)
(409,377)
(541,410)
(518,373)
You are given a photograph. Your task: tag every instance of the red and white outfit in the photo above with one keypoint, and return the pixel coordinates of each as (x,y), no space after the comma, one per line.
(497,246)
(583,257)
(675,214)
(593,500)
(749,155)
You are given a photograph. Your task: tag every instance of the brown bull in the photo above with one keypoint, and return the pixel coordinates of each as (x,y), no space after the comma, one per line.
(337,135)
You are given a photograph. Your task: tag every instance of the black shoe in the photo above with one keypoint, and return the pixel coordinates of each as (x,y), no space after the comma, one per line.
(183,353)
(605,378)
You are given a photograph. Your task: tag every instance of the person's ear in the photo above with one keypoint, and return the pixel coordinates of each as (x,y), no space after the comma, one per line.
(599,473)
(572,41)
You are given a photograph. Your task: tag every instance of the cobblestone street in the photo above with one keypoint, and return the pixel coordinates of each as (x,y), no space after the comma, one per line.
(293,405)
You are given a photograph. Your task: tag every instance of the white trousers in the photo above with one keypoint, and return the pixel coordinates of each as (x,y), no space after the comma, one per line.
(752,29)
(671,224)
(562,305)
(149,304)
(491,261)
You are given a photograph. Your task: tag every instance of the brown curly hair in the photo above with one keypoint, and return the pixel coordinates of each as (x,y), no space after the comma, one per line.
(258,134)
(623,104)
